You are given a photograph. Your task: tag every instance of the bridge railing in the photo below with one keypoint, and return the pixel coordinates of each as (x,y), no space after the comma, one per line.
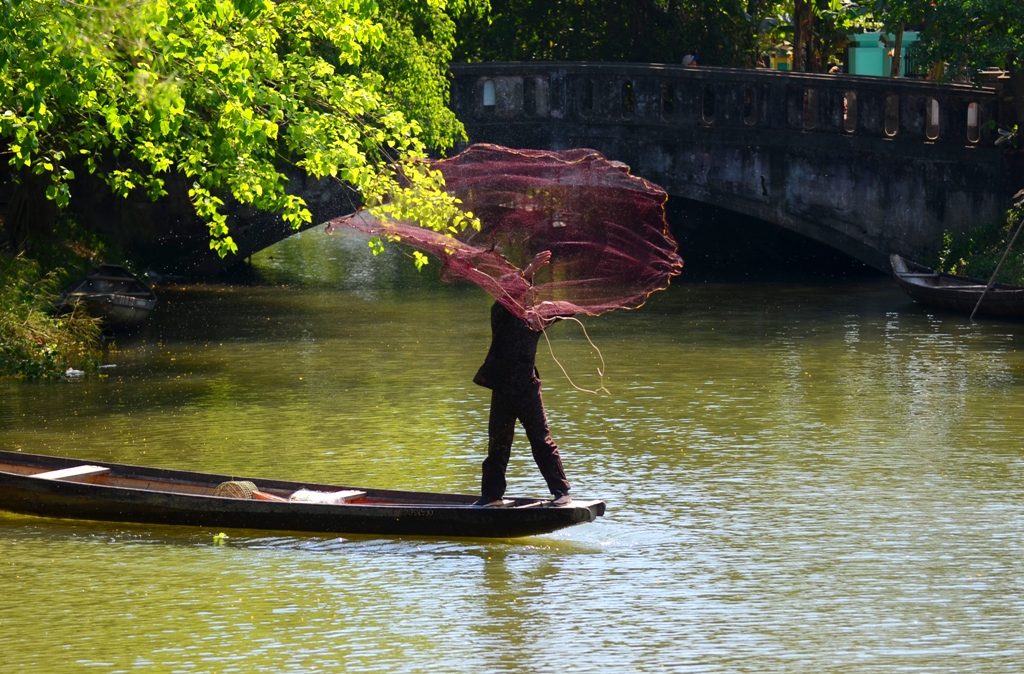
(897,110)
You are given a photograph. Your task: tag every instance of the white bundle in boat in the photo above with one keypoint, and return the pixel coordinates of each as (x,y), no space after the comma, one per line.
(328,497)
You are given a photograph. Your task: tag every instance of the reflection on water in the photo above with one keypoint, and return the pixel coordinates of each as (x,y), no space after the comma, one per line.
(803,479)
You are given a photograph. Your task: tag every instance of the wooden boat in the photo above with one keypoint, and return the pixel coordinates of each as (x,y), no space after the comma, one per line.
(112,294)
(956,293)
(67,488)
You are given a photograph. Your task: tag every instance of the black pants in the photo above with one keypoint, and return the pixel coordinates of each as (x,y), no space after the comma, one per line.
(528,408)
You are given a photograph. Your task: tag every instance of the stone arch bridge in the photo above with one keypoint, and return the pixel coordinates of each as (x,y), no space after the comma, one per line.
(865,165)
(868,166)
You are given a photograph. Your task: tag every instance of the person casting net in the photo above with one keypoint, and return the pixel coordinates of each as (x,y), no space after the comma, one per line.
(561,234)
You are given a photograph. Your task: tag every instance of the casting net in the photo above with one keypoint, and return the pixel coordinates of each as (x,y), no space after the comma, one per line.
(606,229)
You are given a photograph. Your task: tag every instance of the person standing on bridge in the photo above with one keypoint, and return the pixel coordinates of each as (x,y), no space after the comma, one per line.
(509,370)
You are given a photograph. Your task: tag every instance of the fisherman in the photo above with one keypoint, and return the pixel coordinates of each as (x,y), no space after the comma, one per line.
(510,372)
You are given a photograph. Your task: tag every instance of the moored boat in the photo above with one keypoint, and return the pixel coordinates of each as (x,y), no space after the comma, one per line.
(66,488)
(956,293)
(112,294)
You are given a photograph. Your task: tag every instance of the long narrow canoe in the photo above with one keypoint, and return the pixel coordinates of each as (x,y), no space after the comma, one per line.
(956,293)
(67,488)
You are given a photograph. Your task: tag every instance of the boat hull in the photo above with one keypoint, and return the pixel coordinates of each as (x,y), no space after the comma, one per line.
(158,496)
(956,293)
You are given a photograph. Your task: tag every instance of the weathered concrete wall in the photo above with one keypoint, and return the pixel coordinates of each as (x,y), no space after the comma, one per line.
(866,165)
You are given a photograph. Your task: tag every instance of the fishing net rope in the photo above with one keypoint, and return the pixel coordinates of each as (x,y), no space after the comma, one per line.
(606,229)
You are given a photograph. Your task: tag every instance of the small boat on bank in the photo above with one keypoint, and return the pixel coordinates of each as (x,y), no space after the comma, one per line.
(66,488)
(112,294)
(956,293)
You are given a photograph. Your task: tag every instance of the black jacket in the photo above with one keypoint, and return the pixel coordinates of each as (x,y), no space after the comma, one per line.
(510,363)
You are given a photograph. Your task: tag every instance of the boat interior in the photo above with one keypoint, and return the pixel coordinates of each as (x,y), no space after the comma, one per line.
(245,489)
(102,475)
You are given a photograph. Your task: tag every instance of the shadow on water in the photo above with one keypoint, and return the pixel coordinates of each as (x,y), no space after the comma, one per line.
(31,529)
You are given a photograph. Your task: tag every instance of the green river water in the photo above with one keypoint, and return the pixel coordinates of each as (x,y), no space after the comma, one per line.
(815,477)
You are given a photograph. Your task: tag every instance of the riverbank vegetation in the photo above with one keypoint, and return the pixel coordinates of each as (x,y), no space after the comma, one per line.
(34,343)
(978,252)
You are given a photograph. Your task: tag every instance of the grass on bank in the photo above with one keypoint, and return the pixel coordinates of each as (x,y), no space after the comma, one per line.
(34,343)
